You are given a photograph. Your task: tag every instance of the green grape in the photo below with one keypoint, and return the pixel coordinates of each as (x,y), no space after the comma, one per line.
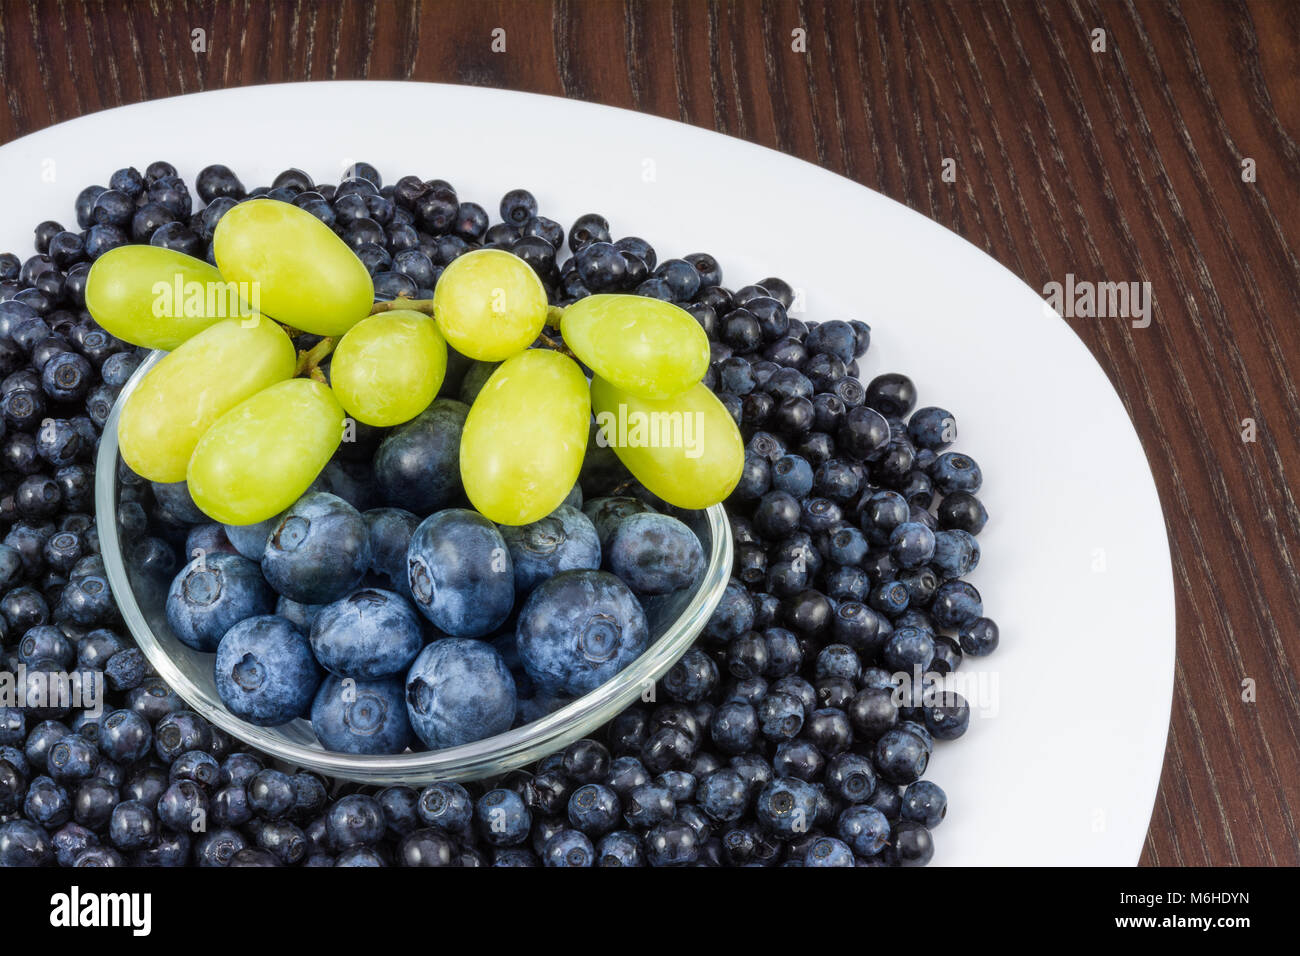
(195,385)
(387,368)
(644,346)
(686,449)
(258,458)
(525,437)
(489,304)
(299,272)
(157,297)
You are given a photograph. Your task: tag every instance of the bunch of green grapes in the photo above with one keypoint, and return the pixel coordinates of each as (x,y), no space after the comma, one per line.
(228,411)
(224,410)
(526,433)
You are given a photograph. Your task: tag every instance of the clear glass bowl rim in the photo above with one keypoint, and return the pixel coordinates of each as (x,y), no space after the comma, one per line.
(485,758)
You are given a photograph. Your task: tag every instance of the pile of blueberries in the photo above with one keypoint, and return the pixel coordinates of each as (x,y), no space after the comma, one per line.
(781,738)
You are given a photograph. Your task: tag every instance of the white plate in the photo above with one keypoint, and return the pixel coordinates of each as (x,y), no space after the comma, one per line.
(1075,560)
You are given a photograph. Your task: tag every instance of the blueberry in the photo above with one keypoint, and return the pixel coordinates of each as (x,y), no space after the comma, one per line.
(808,612)
(361,716)
(963,511)
(787,807)
(863,828)
(69,841)
(828,851)
(67,377)
(239,768)
(319,550)
(953,471)
(620,848)
(460,573)
(179,732)
(230,807)
(837,660)
(426,847)
(585,761)
(979,637)
(198,766)
(446,806)
(367,635)
(948,716)
(912,844)
(724,795)
(733,616)
(793,475)
(363,856)
(594,809)
(578,629)
(127,670)
(667,747)
(250,540)
(679,784)
(648,805)
(783,651)
(23,843)
(693,678)
(568,848)
(13,781)
(354,821)
(755,478)
(747,656)
(956,605)
(655,554)
(891,394)
(564,540)
(502,818)
(780,716)
(924,803)
(132,825)
(125,736)
(212,594)
(154,700)
(182,806)
(863,433)
(459,691)
(947,655)
(72,759)
(932,428)
(777,515)
(911,544)
(417,465)
(264,671)
(901,756)
(270,794)
(284,841)
(390,537)
(218,847)
(87,600)
(601,267)
(835,337)
(863,629)
(45,642)
(955,552)
(908,649)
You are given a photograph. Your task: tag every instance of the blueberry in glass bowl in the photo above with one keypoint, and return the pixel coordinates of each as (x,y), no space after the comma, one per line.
(141,579)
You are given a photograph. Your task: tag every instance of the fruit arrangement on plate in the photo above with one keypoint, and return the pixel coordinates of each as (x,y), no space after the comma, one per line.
(418,478)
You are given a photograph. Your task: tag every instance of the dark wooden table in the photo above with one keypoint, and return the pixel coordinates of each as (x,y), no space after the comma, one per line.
(1169,156)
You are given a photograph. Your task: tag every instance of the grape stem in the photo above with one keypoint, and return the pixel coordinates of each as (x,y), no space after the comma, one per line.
(553,314)
(401,302)
(309,359)
(557,346)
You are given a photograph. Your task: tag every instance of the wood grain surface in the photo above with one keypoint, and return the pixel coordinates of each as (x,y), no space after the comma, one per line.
(1123,164)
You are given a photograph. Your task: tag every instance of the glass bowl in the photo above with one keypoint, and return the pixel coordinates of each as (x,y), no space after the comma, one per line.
(674,620)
